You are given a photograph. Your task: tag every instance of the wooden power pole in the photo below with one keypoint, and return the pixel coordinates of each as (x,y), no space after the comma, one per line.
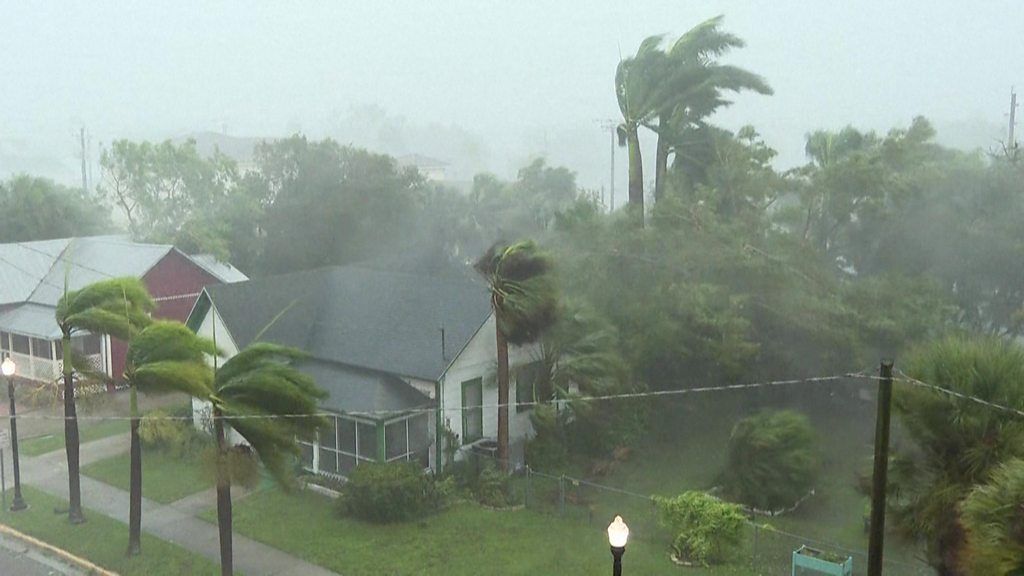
(1011,141)
(879,479)
(85,174)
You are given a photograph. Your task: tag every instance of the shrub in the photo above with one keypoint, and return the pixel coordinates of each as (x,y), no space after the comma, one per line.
(772,460)
(704,528)
(158,431)
(391,492)
(481,478)
(548,449)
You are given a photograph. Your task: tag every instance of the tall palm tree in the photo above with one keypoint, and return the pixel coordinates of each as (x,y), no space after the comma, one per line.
(117,307)
(958,443)
(693,83)
(166,355)
(639,94)
(259,394)
(525,301)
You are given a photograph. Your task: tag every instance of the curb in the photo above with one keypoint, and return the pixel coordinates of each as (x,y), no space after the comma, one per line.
(64,555)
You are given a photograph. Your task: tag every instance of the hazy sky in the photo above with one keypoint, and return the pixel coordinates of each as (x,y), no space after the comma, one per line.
(523,77)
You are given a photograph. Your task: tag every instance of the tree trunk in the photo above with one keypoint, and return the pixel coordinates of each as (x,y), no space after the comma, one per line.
(135,483)
(661,162)
(636,175)
(71,439)
(503,452)
(223,498)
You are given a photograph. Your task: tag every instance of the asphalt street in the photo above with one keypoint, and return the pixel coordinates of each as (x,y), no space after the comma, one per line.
(17,559)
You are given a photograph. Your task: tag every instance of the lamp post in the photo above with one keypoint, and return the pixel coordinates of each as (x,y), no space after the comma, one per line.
(618,533)
(8,367)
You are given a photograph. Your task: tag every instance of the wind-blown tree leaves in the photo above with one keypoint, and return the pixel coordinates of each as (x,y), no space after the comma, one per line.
(993,517)
(639,93)
(525,303)
(695,83)
(259,394)
(119,308)
(40,209)
(165,355)
(958,444)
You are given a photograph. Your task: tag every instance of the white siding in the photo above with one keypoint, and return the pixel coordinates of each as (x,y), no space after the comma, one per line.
(213,328)
(479,359)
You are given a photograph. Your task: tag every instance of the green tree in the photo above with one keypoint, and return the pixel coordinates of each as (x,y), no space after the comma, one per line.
(639,93)
(992,516)
(525,302)
(958,444)
(119,308)
(40,209)
(695,83)
(259,394)
(165,355)
(168,192)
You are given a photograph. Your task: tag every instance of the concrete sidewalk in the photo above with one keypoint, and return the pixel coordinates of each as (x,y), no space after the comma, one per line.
(171,522)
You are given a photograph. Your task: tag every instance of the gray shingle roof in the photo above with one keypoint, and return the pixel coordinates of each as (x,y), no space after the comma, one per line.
(376,320)
(354,390)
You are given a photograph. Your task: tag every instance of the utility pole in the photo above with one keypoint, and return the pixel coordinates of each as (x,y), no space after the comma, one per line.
(1011,142)
(610,126)
(85,174)
(879,479)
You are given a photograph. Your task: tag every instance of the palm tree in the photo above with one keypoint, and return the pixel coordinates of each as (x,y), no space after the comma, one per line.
(958,443)
(639,94)
(166,355)
(992,516)
(524,300)
(693,86)
(260,395)
(117,307)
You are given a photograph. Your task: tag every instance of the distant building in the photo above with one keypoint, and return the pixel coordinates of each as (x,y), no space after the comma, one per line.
(431,168)
(240,149)
(32,280)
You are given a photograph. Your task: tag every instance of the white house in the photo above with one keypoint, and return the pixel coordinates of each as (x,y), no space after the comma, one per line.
(403,357)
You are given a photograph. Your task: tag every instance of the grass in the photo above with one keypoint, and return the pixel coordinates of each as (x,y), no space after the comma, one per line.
(465,540)
(165,477)
(88,432)
(102,540)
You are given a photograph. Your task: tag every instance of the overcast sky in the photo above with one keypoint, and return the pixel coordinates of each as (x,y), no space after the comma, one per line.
(519,78)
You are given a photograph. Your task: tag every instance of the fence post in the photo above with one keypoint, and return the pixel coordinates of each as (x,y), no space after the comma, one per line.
(529,484)
(561,495)
(756,531)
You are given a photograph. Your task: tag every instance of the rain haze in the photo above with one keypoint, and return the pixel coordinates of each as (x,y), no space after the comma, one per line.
(480,85)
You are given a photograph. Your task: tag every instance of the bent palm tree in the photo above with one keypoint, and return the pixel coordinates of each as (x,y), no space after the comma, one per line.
(165,355)
(265,399)
(525,302)
(116,307)
(692,86)
(639,94)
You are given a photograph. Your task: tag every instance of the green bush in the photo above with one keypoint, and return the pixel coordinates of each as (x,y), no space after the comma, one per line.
(480,477)
(548,449)
(391,492)
(705,530)
(772,460)
(158,431)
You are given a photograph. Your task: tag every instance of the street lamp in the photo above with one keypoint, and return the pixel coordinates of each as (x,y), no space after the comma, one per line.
(618,533)
(8,368)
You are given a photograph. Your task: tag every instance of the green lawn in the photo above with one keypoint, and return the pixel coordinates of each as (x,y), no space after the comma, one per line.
(465,540)
(165,477)
(102,540)
(88,432)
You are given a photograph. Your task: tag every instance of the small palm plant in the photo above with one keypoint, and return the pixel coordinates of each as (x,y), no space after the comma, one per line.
(118,307)
(525,304)
(166,355)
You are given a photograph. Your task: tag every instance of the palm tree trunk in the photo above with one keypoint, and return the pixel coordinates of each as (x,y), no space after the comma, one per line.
(223,498)
(71,438)
(661,162)
(503,452)
(636,175)
(135,483)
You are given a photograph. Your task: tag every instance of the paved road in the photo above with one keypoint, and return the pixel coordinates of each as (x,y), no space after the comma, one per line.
(22,560)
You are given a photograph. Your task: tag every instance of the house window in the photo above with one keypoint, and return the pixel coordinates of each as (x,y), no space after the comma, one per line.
(5,341)
(526,385)
(408,440)
(339,447)
(472,410)
(20,344)
(88,345)
(41,349)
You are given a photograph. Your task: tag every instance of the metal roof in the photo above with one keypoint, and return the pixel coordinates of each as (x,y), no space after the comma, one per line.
(222,271)
(31,320)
